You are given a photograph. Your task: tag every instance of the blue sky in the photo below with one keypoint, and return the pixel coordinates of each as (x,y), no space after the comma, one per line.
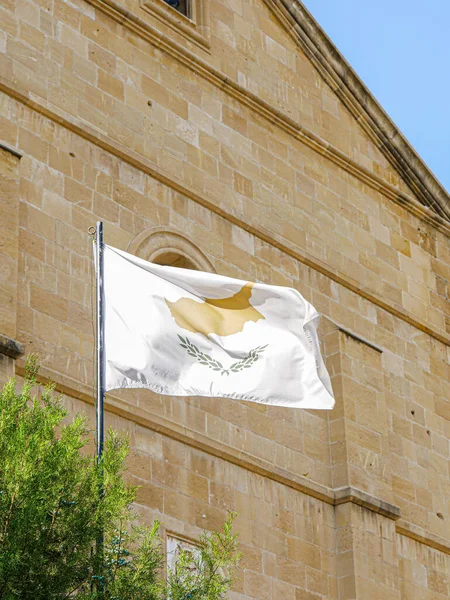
(401,51)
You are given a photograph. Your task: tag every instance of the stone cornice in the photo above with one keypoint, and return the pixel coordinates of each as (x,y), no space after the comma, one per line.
(346,84)
(124,153)
(355,496)
(138,26)
(10,347)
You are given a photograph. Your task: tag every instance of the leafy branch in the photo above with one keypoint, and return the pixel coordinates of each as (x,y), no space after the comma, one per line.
(249,360)
(215,365)
(202,358)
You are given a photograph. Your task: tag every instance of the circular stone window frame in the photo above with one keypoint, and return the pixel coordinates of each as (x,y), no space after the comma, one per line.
(155,242)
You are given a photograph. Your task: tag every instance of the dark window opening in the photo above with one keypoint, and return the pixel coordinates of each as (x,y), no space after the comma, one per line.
(182,6)
(173,259)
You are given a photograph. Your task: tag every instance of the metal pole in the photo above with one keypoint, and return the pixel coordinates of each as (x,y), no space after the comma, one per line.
(100,399)
(100,342)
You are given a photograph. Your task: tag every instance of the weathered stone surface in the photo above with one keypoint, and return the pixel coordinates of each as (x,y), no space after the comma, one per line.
(218,145)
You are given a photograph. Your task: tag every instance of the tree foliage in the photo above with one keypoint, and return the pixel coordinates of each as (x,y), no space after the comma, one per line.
(52,515)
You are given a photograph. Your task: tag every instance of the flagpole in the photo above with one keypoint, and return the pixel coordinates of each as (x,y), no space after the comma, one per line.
(100,344)
(100,398)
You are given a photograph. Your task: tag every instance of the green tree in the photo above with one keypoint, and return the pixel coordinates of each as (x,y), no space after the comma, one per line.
(51,515)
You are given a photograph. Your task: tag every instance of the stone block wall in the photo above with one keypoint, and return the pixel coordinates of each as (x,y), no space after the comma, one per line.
(236,155)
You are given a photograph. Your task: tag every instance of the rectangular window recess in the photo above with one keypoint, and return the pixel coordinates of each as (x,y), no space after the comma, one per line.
(188,18)
(174,544)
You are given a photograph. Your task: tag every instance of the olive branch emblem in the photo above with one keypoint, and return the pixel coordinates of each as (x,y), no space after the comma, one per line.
(215,365)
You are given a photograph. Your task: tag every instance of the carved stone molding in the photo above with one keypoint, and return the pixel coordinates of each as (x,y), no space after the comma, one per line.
(355,496)
(158,243)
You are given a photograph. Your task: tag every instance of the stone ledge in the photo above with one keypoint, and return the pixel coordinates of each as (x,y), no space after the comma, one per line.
(116,406)
(12,151)
(10,347)
(344,495)
(349,494)
(422,536)
(359,339)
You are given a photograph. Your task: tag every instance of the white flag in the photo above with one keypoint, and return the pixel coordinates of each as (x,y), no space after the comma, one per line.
(186,333)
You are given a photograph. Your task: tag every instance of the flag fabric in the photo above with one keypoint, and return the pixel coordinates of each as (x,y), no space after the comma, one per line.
(183,332)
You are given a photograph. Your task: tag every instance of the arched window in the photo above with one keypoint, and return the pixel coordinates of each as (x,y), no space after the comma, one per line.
(166,246)
(174,259)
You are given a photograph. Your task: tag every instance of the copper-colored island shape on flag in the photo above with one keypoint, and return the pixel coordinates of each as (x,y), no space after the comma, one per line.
(223,316)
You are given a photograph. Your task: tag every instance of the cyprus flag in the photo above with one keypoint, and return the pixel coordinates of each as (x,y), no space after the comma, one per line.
(187,333)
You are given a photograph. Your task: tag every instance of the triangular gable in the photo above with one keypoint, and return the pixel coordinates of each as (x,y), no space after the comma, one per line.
(351,91)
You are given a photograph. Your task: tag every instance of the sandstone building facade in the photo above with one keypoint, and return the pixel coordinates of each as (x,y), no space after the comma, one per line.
(237,140)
